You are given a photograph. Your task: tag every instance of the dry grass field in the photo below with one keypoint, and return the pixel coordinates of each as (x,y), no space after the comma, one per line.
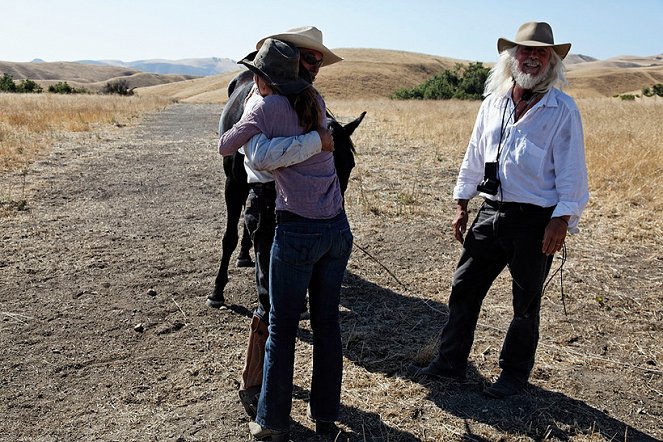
(30,124)
(104,217)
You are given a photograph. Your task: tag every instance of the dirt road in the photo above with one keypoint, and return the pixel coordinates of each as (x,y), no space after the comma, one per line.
(104,332)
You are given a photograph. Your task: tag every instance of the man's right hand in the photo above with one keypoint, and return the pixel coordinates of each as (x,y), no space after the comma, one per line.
(327,140)
(459,223)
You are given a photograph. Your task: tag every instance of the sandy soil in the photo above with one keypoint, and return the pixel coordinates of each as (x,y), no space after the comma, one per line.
(104,332)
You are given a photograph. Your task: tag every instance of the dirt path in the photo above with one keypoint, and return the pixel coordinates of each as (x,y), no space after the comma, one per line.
(104,334)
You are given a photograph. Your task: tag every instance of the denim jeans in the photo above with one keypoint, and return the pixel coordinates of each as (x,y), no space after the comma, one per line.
(500,236)
(260,220)
(307,254)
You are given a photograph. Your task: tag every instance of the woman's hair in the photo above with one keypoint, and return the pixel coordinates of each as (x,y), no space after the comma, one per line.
(305,104)
(501,77)
(307,108)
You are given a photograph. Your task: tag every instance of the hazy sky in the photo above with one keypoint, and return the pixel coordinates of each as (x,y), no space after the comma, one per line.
(68,30)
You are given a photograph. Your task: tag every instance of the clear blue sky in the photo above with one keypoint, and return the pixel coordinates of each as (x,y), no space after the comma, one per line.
(67,30)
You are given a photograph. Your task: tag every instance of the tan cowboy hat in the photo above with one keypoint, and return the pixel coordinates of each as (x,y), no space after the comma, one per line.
(534,34)
(308,37)
(278,63)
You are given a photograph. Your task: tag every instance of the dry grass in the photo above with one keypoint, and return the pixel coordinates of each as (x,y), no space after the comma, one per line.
(623,143)
(623,149)
(30,123)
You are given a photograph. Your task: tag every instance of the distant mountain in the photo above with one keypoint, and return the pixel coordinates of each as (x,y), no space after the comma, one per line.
(578,58)
(92,77)
(200,67)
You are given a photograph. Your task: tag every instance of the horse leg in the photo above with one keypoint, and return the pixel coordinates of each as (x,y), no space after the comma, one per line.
(234,203)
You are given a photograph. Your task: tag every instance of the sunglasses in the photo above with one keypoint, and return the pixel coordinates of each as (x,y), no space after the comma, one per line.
(310,58)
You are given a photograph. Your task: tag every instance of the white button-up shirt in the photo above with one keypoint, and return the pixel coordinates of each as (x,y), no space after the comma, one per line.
(542,160)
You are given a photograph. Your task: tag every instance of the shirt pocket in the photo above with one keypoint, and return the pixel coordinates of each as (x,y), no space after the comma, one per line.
(528,157)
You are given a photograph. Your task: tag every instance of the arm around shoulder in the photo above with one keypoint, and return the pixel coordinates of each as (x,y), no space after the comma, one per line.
(268,154)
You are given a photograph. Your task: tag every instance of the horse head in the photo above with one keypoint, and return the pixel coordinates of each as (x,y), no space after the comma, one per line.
(344,149)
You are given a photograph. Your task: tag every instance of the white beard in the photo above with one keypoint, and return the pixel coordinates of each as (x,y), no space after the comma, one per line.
(528,81)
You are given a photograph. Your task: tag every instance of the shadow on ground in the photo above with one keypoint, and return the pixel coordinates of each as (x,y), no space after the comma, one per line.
(382,332)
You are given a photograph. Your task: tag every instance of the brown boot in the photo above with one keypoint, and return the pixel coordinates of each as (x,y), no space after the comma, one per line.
(252,373)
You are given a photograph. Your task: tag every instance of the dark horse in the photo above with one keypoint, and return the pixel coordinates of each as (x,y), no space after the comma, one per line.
(237,188)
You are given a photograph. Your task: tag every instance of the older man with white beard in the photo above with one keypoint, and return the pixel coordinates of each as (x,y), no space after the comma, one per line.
(526,160)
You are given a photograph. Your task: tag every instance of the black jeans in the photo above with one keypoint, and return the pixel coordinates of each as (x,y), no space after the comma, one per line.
(260,220)
(510,235)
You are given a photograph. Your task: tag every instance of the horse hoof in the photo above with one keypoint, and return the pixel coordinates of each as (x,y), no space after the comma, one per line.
(215,301)
(245,262)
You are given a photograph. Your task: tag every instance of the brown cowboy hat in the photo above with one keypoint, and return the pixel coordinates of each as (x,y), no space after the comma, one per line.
(308,37)
(278,63)
(534,34)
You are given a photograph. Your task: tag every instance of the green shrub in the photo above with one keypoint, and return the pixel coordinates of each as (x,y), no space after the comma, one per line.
(463,82)
(63,87)
(627,97)
(29,87)
(120,87)
(657,89)
(7,83)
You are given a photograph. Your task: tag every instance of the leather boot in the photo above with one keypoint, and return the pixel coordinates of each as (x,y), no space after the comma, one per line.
(252,373)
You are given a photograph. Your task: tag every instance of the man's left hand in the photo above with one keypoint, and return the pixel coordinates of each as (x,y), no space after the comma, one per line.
(554,236)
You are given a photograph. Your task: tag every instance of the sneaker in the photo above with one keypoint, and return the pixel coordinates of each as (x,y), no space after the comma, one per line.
(261,433)
(431,372)
(503,387)
(322,427)
(249,399)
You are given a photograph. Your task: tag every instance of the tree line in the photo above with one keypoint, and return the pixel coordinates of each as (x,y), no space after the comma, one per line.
(27,86)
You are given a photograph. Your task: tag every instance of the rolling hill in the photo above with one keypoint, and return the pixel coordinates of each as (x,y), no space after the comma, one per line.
(617,75)
(365,73)
(373,73)
(90,77)
(368,73)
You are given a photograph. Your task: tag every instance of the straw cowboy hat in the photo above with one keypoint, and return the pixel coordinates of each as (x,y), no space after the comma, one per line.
(278,63)
(308,37)
(534,34)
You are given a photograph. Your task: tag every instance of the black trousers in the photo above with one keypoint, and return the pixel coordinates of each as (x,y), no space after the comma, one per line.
(507,234)
(260,220)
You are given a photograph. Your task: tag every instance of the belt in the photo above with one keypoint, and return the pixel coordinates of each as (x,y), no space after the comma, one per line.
(284,216)
(507,205)
(269,185)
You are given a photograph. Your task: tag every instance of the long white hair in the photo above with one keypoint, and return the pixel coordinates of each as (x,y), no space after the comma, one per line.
(501,77)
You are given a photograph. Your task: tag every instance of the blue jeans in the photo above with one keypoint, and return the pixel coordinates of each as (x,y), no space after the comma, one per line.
(307,254)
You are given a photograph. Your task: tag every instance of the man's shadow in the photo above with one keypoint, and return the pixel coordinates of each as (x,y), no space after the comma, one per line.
(357,425)
(383,330)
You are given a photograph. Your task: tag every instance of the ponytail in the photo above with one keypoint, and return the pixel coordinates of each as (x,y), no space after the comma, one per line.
(307,108)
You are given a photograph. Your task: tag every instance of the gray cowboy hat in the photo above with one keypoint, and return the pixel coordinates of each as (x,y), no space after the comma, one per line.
(278,63)
(308,37)
(534,34)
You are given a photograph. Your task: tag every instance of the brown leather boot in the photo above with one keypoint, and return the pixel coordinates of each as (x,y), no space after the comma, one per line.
(252,374)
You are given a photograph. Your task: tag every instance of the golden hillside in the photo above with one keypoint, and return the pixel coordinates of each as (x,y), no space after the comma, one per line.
(614,76)
(87,76)
(372,73)
(366,73)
